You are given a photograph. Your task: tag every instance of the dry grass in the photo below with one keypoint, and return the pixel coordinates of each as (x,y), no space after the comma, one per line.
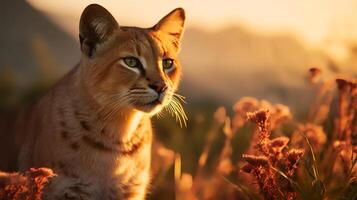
(286,159)
(28,186)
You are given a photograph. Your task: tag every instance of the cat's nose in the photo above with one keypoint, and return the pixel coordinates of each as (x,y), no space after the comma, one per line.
(158,87)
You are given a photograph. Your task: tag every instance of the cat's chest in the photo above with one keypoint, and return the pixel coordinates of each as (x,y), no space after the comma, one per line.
(100,161)
(116,163)
(109,176)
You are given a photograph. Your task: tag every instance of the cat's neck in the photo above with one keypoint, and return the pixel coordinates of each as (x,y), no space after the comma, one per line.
(125,124)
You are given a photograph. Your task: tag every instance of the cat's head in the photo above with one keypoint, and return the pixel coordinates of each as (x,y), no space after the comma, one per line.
(129,66)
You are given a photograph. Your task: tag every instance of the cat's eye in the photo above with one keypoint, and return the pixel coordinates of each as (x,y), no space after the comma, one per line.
(167,63)
(132,62)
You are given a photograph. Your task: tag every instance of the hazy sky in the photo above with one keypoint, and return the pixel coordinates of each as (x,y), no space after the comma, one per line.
(322,22)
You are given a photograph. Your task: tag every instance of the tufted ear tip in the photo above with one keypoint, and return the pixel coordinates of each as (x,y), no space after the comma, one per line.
(172,23)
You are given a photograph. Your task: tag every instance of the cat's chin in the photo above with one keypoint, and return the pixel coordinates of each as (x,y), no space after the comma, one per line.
(150,108)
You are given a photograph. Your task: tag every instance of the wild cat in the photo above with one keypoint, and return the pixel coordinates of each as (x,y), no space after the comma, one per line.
(93,127)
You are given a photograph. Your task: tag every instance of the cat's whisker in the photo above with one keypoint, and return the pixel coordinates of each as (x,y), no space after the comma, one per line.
(137,92)
(181,97)
(176,109)
(179,114)
(178,95)
(174,112)
(159,115)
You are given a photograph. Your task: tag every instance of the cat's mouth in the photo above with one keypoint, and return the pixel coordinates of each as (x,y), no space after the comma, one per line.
(155,102)
(153,106)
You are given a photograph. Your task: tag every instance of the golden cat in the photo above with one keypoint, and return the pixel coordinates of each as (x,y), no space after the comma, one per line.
(93,127)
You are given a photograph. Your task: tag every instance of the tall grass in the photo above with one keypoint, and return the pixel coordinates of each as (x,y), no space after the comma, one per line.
(260,151)
(313,158)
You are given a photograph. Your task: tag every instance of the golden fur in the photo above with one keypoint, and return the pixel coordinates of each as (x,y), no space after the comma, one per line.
(93,127)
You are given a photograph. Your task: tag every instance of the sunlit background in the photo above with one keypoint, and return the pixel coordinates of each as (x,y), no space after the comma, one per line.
(230,49)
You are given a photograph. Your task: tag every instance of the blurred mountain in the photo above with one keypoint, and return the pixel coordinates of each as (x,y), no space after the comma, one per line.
(237,62)
(223,65)
(32,46)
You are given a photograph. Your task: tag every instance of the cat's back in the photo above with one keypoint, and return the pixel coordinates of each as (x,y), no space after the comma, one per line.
(21,125)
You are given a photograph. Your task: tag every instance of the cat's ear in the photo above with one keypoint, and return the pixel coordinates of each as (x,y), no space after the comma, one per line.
(96,26)
(172,23)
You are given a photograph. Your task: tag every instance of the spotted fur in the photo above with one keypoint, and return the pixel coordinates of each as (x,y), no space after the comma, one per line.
(93,127)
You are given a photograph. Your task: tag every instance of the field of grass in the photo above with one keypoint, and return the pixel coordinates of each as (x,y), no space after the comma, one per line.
(255,150)
(261,151)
